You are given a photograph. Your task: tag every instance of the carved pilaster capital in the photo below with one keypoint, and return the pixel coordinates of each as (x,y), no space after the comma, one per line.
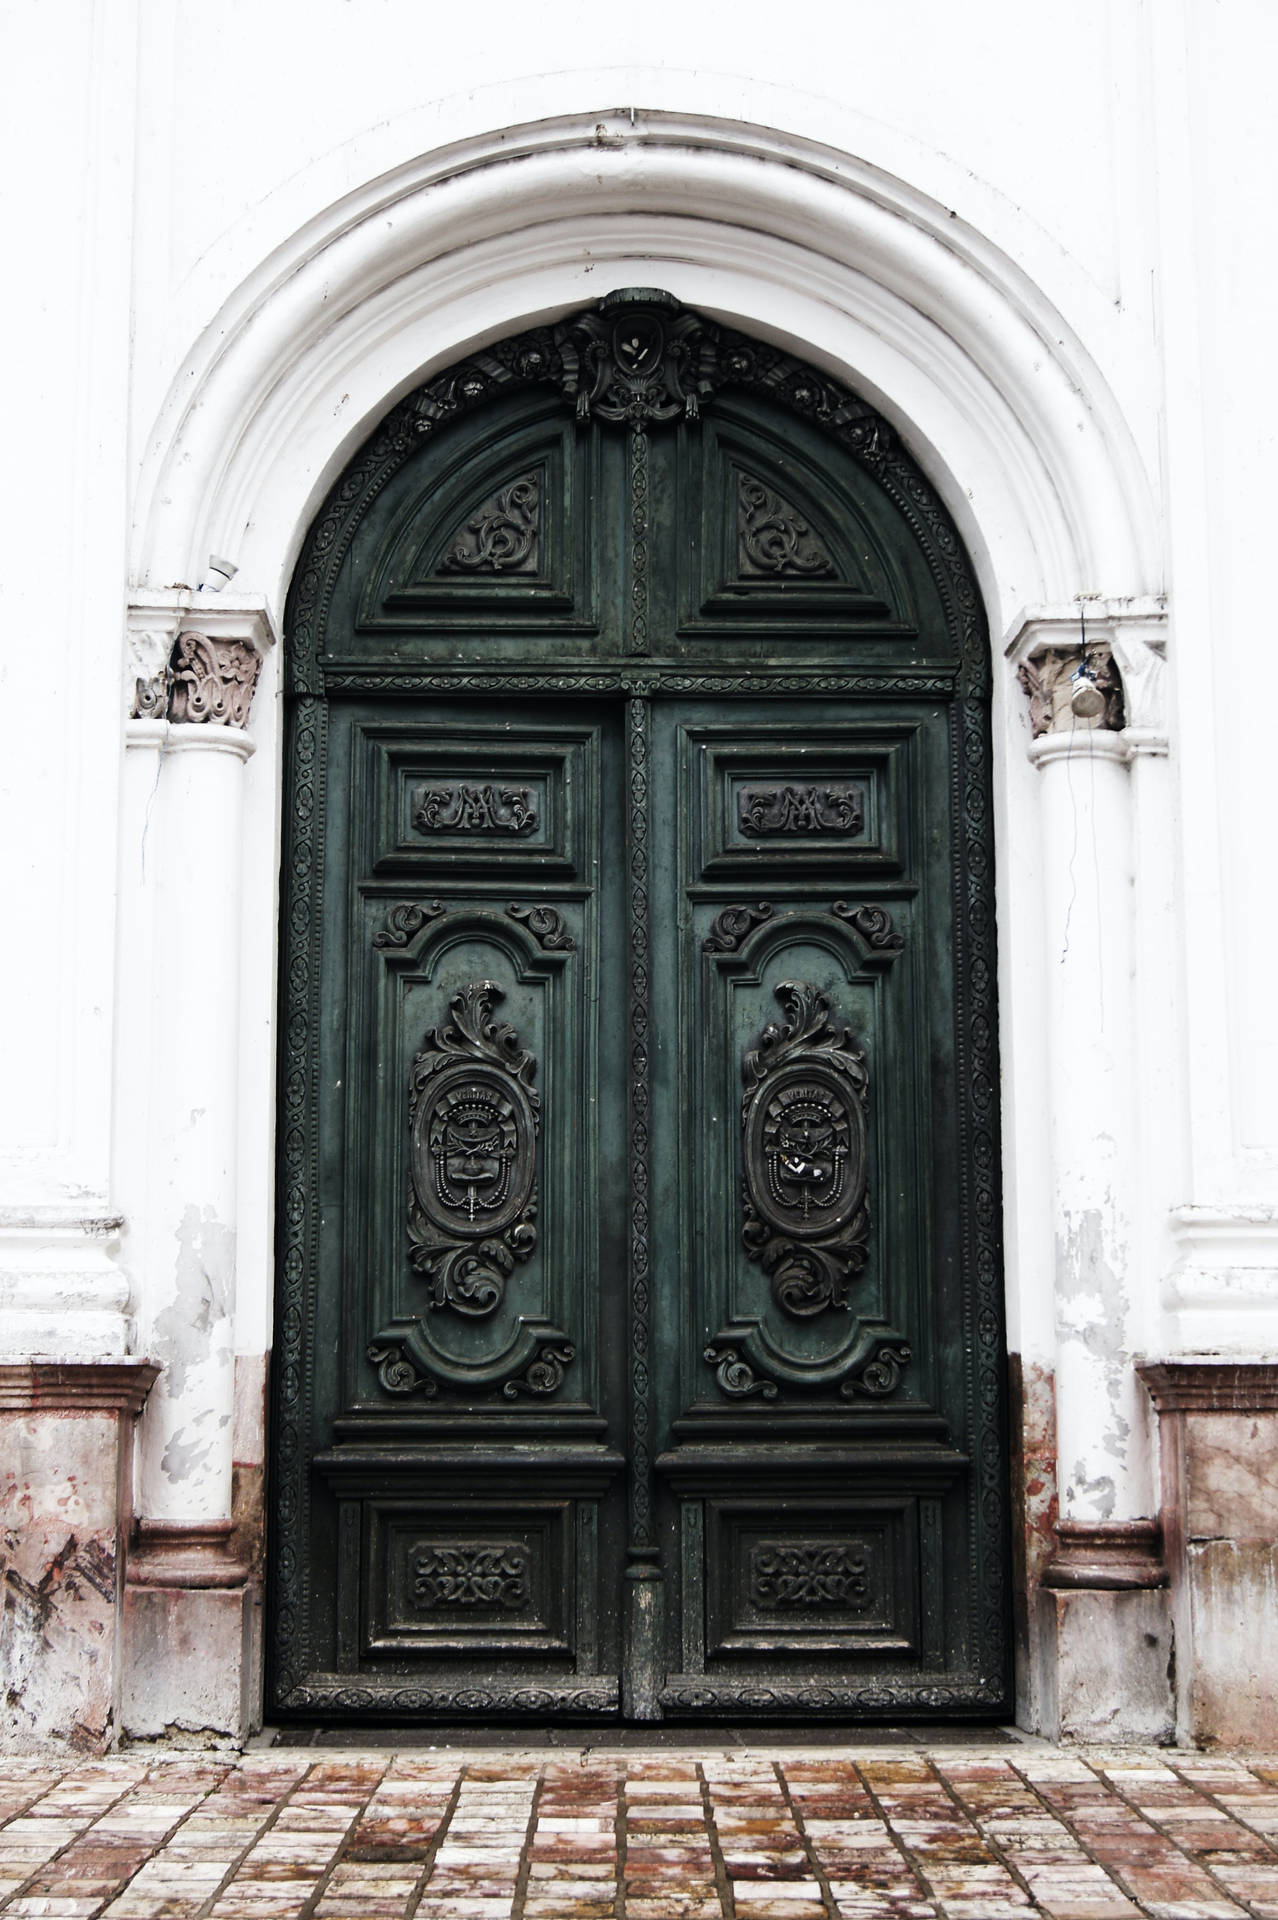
(1071,688)
(195,658)
(1098,664)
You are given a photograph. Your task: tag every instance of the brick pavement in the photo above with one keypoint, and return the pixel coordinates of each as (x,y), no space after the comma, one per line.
(858,1834)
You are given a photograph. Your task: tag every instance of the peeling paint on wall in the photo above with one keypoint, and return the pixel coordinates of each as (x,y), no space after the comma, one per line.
(204,1289)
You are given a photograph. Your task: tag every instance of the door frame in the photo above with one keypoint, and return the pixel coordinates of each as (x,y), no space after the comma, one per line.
(706,361)
(1000,393)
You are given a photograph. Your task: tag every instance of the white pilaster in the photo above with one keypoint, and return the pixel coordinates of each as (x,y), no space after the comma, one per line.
(177,1110)
(1108,994)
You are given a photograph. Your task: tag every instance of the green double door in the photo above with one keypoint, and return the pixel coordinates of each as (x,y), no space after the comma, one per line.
(639,1350)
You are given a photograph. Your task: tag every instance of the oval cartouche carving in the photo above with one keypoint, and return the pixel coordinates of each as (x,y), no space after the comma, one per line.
(806,1137)
(472,1152)
(473,1115)
(803,1119)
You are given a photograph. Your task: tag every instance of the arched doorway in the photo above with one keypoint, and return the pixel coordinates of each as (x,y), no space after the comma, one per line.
(640,1344)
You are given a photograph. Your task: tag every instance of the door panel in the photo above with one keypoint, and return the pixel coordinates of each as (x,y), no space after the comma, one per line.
(468,1099)
(815,1179)
(639,1342)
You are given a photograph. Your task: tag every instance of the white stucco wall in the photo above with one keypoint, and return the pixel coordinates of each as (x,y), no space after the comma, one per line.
(178,180)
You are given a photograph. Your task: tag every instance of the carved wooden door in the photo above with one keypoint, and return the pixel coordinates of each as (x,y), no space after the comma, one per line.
(639,1348)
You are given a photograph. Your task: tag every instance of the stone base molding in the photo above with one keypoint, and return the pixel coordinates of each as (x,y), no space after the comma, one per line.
(1218,1429)
(1104,1662)
(1107,1555)
(191,1634)
(75,1386)
(66,1438)
(190,1661)
(62,1291)
(170,1554)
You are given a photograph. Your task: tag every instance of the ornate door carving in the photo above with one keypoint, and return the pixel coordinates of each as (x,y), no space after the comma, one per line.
(639,1344)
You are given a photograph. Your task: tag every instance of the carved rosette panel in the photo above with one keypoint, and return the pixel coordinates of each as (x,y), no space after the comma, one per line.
(502,538)
(473,1123)
(774,541)
(803,1126)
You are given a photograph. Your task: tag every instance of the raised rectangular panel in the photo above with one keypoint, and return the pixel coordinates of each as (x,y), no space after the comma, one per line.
(826,799)
(469,1578)
(455,799)
(802,1579)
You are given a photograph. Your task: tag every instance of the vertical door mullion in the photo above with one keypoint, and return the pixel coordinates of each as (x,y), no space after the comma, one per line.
(644,1588)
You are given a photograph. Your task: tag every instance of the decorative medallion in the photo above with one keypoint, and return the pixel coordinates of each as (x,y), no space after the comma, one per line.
(773,540)
(803,1123)
(502,537)
(483,810)
(732,924)
(397,1373)
(473,1120)
(800,809)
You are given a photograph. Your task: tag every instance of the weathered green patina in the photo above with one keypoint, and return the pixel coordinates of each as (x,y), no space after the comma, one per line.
(639,1341)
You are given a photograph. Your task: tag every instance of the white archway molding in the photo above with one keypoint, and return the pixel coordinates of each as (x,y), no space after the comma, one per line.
(999,401)
(1013,420)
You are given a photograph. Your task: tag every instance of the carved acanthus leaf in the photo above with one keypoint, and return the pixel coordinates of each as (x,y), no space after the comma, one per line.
(546,925)
(731,926)
(774,541)
(211,681)
(473,1122)
(803,1125)
(873,923)
(543,1375)
(398,1374)
(503,537)
(736,1376)
(811,1573)
(405,920)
